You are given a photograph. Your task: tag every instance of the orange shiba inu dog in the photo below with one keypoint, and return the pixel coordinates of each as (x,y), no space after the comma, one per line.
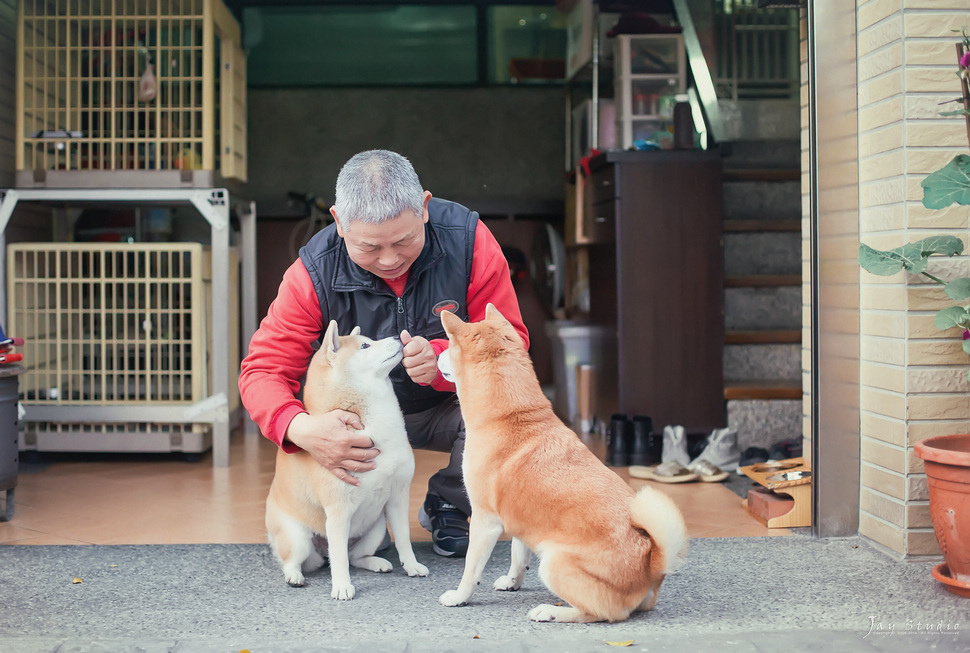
(603,548)
(349,372)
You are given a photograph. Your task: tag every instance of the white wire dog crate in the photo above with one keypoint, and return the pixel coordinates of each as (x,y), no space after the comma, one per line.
(146,91)
(112,326)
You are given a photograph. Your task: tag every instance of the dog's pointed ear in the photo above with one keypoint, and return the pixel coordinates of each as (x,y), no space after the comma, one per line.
(331,342)
(355,331)
(492,313)
(451,322)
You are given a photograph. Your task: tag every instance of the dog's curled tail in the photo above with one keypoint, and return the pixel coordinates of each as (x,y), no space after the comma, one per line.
(659,516)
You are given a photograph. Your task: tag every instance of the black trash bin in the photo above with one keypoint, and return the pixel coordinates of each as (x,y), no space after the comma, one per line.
(9,440)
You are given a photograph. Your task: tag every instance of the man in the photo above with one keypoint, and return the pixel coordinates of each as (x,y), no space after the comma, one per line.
(392,261)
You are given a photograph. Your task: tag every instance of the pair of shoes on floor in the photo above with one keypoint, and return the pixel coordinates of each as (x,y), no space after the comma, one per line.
(632,441)
(674,472)
(448,526)
(720,453)
(720,448)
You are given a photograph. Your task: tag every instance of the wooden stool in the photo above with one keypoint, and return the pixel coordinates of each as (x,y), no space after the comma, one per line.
(789,480)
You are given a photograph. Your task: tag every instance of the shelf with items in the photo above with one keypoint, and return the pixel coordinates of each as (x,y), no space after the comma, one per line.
(650,71)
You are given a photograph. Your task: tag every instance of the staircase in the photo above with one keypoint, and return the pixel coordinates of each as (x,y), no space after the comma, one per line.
(762,290)
(750,94)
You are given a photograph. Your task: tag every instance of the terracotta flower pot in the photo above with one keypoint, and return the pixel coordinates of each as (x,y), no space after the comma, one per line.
(946,459)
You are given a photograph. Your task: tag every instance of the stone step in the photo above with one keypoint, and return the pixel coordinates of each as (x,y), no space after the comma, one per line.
(762,362)
(749,226)
(761,174)
(761,200)
(763,422)
(763,337)
(753,153)
(759,253)
(775,307)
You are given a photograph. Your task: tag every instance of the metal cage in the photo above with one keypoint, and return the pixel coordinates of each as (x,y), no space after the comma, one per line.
(109,327)
(129,85)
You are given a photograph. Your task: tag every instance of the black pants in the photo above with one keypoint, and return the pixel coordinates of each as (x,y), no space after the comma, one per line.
(442,429)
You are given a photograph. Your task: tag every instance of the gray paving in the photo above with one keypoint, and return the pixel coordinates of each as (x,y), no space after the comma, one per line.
(737,595)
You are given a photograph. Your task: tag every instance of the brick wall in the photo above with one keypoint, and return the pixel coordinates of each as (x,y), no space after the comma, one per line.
(912,376)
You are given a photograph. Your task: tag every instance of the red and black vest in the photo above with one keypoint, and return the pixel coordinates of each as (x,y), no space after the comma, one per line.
(438,280)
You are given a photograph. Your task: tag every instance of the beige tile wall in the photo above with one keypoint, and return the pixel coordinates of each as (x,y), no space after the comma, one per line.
(912,376)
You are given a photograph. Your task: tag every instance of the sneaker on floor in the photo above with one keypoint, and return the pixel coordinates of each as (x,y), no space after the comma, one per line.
(722,449)
(448,526)
(789,448)
(674,448)
(753,455)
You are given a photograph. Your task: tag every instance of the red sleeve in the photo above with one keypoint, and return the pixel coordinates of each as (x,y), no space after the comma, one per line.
(279,352)
(491,283)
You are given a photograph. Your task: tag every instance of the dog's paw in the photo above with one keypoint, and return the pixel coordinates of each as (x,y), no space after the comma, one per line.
(545,612)
(293,576)
(561,614)
(451,599)
(417,569)
(343,592)
(506,584)
(298,581)
(374,563)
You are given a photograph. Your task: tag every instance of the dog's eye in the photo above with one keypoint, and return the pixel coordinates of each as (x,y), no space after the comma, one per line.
(364,345)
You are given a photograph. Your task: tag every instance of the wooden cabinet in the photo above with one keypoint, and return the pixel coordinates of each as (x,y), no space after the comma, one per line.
(656,281)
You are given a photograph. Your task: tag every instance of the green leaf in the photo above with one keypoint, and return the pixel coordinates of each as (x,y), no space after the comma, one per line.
(961,112)
(950,184)
(911,257)
(966,346)
(883,263)
(958,289)
(948,318)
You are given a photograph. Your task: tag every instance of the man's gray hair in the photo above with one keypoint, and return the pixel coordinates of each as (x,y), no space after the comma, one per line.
(375,186)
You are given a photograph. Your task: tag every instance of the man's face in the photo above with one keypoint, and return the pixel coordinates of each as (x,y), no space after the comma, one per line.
(387,249)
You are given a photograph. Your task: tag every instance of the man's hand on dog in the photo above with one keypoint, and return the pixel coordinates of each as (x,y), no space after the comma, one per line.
(332,440)
(420,361)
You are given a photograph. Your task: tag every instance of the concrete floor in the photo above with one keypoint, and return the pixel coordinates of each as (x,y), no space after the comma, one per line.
(734,594)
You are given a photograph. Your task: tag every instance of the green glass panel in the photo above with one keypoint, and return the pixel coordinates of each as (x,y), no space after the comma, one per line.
(526,44)
(366,45)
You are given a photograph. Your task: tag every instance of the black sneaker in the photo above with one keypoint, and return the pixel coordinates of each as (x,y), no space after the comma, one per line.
(448,526)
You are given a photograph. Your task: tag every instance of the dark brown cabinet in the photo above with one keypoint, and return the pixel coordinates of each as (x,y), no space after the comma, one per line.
(656,277)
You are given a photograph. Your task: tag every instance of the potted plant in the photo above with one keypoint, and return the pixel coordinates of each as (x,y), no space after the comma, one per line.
(946,458)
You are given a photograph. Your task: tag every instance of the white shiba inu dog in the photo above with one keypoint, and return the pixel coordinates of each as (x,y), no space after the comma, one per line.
(350,373)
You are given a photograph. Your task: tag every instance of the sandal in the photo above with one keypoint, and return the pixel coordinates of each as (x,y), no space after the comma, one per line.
(708,472)
(669,472)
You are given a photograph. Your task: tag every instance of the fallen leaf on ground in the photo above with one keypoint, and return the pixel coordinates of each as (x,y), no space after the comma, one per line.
(77,580)
(627,643)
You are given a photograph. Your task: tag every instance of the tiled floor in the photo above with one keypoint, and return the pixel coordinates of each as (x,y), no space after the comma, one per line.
(116,499)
